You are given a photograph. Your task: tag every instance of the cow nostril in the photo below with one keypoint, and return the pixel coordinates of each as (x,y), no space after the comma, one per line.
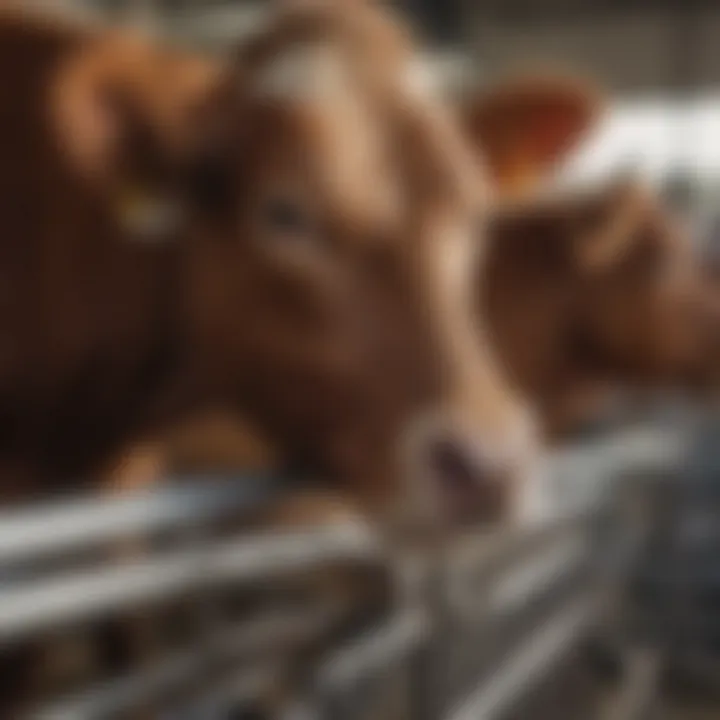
(469,485)
(449,462)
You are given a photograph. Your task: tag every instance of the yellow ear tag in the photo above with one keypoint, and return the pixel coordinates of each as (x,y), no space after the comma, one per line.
(146,214)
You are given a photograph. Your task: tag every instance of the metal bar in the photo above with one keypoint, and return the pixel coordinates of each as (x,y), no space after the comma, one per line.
(621,450)
(511,557)
(510,584)
(380,648)
(69,526)
(572,481)
(529,665)
(229,694)
(518,586)
(89,594)
(272,554)
(270,632)
(347,672)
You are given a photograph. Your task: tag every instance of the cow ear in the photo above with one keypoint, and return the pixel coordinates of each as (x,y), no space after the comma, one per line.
(120,87)
(87,114)
(526,126)
(125,114)
(606,227)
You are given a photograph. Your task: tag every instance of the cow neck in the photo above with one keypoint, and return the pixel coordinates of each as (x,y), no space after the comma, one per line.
(584,352)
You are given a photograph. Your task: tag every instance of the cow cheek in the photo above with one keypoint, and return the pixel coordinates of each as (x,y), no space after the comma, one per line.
(671,328)
(218,311)
(701,338)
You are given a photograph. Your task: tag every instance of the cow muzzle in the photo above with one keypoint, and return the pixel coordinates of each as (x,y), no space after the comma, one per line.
(460,477)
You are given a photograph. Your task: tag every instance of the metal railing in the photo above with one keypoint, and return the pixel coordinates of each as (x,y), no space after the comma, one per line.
(480,623)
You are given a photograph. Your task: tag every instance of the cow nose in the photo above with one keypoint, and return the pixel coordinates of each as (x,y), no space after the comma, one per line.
(471,485)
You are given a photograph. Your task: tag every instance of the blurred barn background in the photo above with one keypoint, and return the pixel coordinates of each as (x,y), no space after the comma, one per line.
(660,61)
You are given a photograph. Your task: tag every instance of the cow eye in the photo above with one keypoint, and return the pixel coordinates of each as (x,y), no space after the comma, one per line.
(288,218)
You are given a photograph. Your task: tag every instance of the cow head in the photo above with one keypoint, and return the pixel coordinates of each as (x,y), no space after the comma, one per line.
(584,288)
(331,208)
(597,288)
(647,311)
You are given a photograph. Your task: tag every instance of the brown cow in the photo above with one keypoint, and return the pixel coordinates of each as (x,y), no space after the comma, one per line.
(539,119)
(523,127)
(176,233)
(584,294)
(559,112)
(591,292)
(288,233)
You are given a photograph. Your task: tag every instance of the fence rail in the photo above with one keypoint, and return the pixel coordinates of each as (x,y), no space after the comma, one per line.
(486,619)
(63,526)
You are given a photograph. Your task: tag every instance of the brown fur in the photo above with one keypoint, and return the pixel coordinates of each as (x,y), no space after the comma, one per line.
(525,125)
(535,119)
(221,441)
(331,338)
(86,314)
(595,292)
(332,352)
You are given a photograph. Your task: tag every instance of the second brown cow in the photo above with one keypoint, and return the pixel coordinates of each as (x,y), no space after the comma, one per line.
(591,293)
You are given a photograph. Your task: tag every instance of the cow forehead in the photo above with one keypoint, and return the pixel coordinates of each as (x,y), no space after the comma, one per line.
(304,72)
(337,127)
(363,107)
(315,69)
(351,127)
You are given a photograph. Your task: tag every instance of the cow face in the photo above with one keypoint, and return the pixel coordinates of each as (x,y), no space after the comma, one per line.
(581,290)
(330,211)
(648,312)
(598,288)
(331,288)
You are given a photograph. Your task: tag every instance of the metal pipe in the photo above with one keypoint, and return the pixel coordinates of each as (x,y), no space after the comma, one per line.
(517,584)
(58,528)
(385,645)
(269,632)
(90,594)
(535,659)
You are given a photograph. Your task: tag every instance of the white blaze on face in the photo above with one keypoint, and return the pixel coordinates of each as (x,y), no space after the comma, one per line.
(420,80)
(449,262)
(479,400)
(345,142)
(420,90)
(305,72)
